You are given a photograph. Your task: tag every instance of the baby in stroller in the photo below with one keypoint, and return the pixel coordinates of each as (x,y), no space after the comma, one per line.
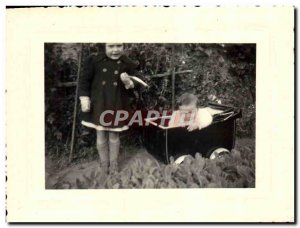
(189,115)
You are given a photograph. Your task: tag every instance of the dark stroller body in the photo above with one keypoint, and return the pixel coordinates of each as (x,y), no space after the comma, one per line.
(163,141)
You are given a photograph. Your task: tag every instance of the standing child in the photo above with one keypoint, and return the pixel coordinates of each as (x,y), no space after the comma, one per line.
(105,88)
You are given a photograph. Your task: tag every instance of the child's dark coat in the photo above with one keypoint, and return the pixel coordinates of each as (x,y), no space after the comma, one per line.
(101,82)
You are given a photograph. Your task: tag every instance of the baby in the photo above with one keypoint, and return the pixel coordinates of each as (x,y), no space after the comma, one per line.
(189,115)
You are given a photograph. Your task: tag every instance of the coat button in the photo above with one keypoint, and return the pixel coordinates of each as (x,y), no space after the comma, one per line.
(119,61)
(116,72)
(104,70)
(115,83)
(103,82)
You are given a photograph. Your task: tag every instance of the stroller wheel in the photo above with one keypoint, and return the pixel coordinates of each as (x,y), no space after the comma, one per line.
(218,152)
(180,159)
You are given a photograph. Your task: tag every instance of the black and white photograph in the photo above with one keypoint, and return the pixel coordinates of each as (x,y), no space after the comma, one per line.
(149,115)
(158,114)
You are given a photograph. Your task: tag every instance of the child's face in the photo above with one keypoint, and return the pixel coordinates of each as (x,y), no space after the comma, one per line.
(188,107)
(114,50)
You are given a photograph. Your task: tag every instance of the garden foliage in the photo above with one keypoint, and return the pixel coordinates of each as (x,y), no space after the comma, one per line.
(236,170)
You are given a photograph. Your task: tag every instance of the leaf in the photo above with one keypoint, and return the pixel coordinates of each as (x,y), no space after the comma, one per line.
(180,183)
(152,170)
(148,183)
(116,186)
(167,171)
(212,185)
(135,181)
(200,161)
(192,185)
(236,154)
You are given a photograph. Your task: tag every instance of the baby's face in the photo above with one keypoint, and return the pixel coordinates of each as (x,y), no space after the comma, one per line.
(189,107)
(114,50)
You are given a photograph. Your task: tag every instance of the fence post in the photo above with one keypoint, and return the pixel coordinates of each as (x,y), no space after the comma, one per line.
(76,102)
(173,76)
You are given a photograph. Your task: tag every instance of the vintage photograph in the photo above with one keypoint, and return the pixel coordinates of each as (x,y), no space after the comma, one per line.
(144,119)
(149,115)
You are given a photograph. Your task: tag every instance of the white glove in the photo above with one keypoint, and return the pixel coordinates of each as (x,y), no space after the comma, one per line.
(85,104)
(130,85)
(126,80)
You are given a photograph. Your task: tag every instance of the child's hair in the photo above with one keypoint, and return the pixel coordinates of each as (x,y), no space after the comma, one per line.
(187,98)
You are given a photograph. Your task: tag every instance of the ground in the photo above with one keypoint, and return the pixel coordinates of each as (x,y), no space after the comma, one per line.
(67,176)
